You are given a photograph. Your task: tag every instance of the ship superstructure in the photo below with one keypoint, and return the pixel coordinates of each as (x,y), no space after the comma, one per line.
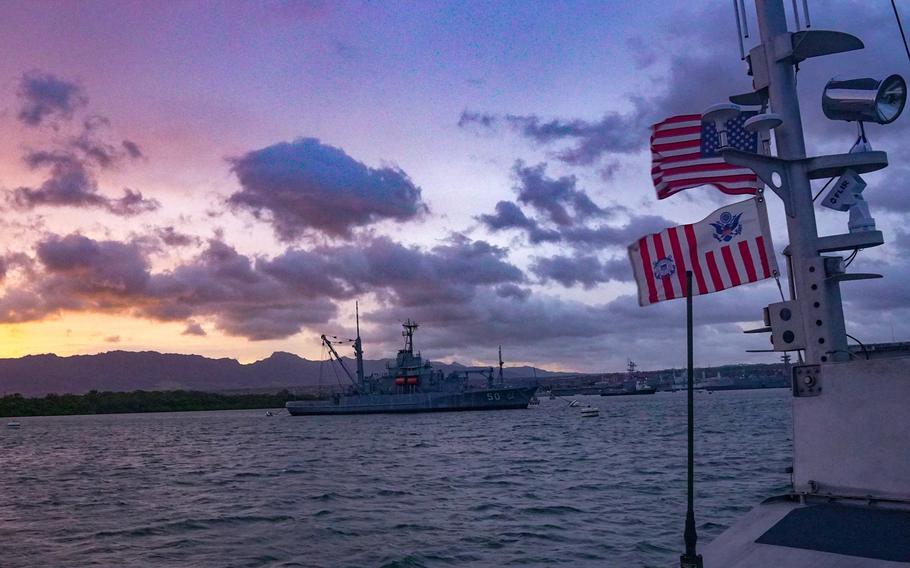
(412,384)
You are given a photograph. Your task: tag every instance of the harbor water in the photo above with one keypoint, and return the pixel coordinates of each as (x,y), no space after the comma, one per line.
(537,487)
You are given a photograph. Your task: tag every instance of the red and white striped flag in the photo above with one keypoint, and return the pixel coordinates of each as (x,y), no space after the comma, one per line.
(685,152)
(731,246)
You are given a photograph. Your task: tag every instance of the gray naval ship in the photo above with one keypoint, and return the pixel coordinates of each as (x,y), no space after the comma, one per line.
(411,384)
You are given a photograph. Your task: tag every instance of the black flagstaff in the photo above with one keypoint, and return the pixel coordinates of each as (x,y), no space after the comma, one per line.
(690,559)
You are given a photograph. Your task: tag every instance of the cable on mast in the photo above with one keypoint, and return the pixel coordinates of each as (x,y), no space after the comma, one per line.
(900,26)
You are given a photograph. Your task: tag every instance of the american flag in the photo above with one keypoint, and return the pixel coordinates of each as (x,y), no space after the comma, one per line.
(684,154)
(730,247)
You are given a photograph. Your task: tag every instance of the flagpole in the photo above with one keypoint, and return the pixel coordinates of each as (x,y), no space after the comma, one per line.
(690,559)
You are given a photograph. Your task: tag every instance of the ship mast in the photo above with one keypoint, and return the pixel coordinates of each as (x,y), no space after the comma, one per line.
(500,365)
(358,346)
(408,333)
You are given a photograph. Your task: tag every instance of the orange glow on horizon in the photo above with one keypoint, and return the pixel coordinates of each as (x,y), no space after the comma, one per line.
(82,334)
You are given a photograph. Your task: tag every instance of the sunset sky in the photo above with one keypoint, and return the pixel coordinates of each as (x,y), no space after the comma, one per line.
(228,178)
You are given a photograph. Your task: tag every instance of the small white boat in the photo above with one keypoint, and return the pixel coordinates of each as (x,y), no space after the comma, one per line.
(13,424)
(590,412)
(573,404)
(269,413)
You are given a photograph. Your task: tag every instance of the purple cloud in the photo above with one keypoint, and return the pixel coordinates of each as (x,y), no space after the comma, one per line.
(71,184)
(507,215)
(193,328)
(582,269)
(305,186)
(72,161)
(553,196)
(589,141)
(44,96)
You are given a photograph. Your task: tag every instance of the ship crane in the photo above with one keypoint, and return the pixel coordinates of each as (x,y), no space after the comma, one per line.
(485,373)
(358,352)
(337,357)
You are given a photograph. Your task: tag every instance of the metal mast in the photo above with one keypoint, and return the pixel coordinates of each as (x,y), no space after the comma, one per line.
(358,347)
(500,365)
(408,333)
(820,296)
(814,320)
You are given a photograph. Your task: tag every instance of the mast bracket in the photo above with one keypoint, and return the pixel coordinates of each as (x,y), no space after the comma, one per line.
(799,46)
(807,380)
(776,172)
(850,241)
(766,329)
(847,276)
(834,165)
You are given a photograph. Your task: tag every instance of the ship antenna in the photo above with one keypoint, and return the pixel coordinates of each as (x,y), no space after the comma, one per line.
(358,346)
(500,366)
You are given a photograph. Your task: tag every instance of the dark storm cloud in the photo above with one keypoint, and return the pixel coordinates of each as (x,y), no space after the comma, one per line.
(585,270)
(588,141)
(305,185)
(43,97)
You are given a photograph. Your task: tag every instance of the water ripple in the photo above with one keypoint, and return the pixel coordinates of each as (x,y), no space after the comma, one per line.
(541,487)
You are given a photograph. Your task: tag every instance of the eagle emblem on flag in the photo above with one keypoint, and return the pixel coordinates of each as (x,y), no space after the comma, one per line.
(664,268)
(727,227)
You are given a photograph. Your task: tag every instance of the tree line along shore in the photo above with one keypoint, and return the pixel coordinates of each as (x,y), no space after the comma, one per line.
(96,402)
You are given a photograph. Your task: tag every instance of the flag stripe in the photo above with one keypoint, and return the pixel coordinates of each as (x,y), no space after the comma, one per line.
(647,269)
(715,273)
(660,254)
(681,267)
(693,257)
(747,260)
(685,154)
(731,266)
(766,270)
